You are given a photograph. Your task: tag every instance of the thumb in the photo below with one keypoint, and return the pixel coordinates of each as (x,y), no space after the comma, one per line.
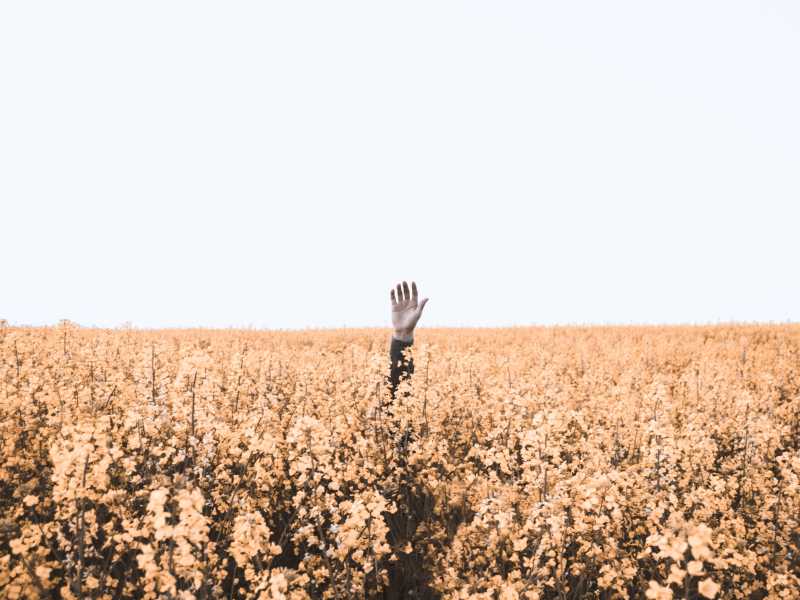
(422,304)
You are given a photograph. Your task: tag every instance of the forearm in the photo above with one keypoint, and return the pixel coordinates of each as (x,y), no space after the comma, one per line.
(406,311)
(400,365)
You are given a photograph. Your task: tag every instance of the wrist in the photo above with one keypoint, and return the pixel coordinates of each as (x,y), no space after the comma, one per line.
(404,335)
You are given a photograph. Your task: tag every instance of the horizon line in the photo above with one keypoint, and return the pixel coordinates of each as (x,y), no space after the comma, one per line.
(125,326)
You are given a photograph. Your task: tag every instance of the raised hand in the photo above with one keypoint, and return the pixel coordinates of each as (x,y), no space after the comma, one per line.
(406,311)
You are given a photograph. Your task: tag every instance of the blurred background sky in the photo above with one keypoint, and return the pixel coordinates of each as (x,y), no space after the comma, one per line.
(282,164)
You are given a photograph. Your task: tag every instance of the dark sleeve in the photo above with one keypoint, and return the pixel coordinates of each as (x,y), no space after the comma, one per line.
(400,366)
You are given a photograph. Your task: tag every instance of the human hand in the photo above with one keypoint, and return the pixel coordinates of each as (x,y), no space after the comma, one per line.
(406,311)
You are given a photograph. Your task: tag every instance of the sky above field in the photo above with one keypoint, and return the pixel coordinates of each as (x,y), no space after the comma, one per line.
(282,164)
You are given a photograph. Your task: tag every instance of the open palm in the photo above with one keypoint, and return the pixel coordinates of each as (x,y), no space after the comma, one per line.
(406,310)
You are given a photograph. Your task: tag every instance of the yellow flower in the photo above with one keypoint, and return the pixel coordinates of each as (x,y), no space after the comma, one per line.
(18,546)
(657,591)
(695,568)
(708,588)
(676,575)
(92,583)
(43,572)
(701,552)
(700,536)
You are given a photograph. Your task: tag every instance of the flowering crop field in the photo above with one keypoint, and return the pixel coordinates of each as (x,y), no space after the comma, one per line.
(598,462)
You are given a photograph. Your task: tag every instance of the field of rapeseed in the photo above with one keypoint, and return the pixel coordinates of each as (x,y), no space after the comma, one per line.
(641,462)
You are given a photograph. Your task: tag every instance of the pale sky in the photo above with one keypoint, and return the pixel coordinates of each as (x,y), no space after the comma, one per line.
(282,164)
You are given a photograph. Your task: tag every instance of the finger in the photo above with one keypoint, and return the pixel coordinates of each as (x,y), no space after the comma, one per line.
(422,304)
(406,292)
(399,293)
(394,300)
(414,294)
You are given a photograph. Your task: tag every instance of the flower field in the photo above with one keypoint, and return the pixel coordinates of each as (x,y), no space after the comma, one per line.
(598,462)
